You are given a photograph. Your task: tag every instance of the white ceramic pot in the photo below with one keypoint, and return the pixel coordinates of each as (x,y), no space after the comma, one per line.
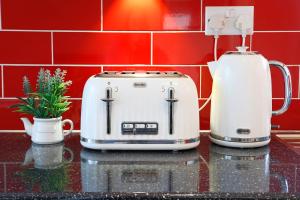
(47,131)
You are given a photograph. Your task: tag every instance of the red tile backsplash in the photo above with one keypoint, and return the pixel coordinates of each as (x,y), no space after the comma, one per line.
(101,48)
(189,48)
(206,82)
(149,35)
(277,15)
(151,15)
(51,14)
(280,46)
(25,47)
(14,76)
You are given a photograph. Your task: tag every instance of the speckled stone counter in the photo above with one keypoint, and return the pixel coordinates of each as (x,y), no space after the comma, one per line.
(68,171)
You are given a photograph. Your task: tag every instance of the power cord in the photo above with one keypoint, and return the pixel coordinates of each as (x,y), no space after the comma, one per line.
(217,23)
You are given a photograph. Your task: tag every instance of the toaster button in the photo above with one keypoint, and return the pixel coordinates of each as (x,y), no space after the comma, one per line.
(151,126)
(139,125)
(127,126)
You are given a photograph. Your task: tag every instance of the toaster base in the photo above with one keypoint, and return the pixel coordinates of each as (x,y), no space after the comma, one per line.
(181,144)
(265,141)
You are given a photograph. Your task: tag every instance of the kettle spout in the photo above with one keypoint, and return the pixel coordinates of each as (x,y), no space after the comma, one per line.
(212,67)
(27,125)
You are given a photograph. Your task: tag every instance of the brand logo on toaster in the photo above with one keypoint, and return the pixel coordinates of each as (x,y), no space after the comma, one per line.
(243,131)
(139,84)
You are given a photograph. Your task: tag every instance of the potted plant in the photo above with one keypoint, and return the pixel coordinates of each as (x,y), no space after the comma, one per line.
(46,104)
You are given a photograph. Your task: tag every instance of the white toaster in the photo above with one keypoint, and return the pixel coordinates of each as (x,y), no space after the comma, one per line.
(140,111)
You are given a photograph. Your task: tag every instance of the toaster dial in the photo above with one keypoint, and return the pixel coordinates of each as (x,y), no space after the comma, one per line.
(139,128)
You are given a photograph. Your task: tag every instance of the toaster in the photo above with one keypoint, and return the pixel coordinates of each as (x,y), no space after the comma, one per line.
(140,111)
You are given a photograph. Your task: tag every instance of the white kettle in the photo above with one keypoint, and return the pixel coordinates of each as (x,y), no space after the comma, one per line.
(241,101)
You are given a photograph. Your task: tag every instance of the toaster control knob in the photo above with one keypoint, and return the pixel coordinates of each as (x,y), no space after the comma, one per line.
(108,99)
(171,99)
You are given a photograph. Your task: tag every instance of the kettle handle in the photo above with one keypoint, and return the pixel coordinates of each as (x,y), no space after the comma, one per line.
(287,86)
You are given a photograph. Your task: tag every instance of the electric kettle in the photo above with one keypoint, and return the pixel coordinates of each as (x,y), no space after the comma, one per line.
(241,101)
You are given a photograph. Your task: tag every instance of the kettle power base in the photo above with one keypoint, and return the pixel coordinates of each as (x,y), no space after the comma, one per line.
(240,144)
(140,144)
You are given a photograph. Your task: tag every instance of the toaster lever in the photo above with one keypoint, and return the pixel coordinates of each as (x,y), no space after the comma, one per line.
(171,99)
(108,100)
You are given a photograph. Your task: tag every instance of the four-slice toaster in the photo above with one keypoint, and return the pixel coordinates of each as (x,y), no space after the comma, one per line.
(140,110)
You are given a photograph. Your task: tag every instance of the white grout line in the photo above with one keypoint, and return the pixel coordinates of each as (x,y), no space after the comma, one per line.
(52,50)
(101,15)
(201,15)
(99,31)
(2,81)
(134,31)
(151,48)
(102,68)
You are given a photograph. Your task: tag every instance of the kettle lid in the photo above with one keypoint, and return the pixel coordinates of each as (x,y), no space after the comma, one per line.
(241,50)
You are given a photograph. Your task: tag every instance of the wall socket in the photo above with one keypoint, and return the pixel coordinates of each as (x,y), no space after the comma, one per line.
(230,14)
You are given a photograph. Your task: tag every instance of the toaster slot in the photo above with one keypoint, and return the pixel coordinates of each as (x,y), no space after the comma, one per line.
(108,100)
(171,99)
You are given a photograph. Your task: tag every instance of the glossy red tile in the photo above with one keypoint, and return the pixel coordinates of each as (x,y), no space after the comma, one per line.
(193,72)
(189,48)
(25,47)
(101,48)
(13,77)
(206,82)
(278,82)
(151,15)
(223,3)
(290,119)
(74,113)
(204,116)
(11,120)
(51,14)
(277,15)
(280,46)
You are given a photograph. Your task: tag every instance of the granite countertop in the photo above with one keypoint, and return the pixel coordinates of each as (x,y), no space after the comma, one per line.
(68,171)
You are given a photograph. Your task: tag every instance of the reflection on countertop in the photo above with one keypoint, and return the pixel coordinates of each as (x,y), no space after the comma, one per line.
(28,169)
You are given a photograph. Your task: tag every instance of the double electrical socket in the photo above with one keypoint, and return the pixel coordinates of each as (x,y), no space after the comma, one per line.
(229,20)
